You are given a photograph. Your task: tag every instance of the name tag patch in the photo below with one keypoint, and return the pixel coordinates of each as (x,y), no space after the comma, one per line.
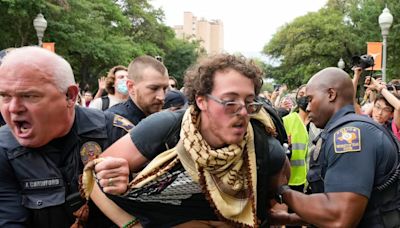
(37,184)
(347,139)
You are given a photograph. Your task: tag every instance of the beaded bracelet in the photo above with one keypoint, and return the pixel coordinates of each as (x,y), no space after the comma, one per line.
(131,223)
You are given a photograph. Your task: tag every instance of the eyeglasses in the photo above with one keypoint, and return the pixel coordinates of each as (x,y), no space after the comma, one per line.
(383,109)
(234,107)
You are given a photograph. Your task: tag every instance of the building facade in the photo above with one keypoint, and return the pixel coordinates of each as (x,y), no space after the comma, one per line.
(209,33)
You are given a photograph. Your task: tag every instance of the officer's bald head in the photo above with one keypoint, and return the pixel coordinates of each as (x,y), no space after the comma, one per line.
(44,61)
(328,90)
(336,79)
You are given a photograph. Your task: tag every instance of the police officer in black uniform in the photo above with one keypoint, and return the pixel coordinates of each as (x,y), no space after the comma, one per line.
(47,141)
(352,170)
(147,84)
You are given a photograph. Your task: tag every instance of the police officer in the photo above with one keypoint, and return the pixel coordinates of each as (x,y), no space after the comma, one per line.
(147,84)
(351,169)
(47,141)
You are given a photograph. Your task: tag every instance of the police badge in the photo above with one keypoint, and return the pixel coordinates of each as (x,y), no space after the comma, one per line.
(89,151)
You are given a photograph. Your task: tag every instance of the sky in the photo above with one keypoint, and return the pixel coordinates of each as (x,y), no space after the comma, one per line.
(248,25)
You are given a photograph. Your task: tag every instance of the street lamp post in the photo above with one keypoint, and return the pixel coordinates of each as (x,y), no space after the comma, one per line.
(40,25)
(385,21)
(341,64)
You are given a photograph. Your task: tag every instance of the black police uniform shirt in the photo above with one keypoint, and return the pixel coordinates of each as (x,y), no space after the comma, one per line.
(2,122)
(174,198)
(35,182)
(129,110)
(354,157)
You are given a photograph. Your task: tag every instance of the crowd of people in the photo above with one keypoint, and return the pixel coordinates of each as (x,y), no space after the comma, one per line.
(219,153)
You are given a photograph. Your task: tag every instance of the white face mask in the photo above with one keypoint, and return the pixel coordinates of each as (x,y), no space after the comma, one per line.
(121,87)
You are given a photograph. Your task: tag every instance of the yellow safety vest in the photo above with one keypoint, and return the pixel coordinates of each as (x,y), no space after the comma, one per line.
(298,134)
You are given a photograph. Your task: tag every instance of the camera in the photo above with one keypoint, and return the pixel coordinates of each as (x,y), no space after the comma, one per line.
(277,87)
(363,61)
(393,87)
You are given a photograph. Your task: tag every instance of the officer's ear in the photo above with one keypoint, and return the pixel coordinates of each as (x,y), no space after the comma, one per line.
(332,94)
(72,95)
(130,84)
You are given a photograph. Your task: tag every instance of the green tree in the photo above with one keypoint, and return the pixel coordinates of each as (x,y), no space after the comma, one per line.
(180,57)
(92,35)
(308,44)
(340,29)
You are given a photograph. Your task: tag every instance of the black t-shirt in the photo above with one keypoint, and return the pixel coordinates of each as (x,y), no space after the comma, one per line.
(174,198)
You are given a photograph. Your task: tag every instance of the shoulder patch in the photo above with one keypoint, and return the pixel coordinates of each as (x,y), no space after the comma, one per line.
(347,139)
(89,151)
(123,123)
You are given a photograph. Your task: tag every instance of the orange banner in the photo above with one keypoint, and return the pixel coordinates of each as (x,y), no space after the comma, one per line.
(375,50)
(49,46)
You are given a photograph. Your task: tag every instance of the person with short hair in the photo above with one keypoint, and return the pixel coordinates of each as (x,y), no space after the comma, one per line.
(47,141)
(147,84)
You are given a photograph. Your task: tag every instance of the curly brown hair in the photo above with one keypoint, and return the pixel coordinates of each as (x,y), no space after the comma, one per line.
(199,80)
(110,80)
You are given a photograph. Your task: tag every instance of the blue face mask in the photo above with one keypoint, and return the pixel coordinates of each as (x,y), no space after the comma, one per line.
(121,87)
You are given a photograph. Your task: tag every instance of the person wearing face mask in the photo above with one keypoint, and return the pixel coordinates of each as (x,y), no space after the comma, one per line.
(296,126)
(115,85)
(146,84)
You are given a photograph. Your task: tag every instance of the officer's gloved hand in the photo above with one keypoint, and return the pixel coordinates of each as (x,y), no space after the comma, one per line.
(113,175)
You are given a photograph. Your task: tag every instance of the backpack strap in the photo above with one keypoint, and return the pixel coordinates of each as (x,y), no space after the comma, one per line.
(105,102)
(262,160)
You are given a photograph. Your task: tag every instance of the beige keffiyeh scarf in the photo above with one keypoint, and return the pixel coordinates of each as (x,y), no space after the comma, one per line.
(226,175)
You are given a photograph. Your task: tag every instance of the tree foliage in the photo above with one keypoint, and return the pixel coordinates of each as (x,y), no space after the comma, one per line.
(318,40)
(95,35)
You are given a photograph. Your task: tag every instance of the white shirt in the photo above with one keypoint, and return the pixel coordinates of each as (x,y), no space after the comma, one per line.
(98,102)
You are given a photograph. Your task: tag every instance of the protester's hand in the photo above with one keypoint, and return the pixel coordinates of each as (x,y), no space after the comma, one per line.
(377,84)
(287,103)
(278,217)
(113,175)
(367,81)
(368,91)
(274,94)
(102,83)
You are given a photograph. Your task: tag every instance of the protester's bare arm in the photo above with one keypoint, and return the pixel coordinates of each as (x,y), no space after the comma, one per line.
(125,148)
(102,87)
(356,78)
(334,209)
